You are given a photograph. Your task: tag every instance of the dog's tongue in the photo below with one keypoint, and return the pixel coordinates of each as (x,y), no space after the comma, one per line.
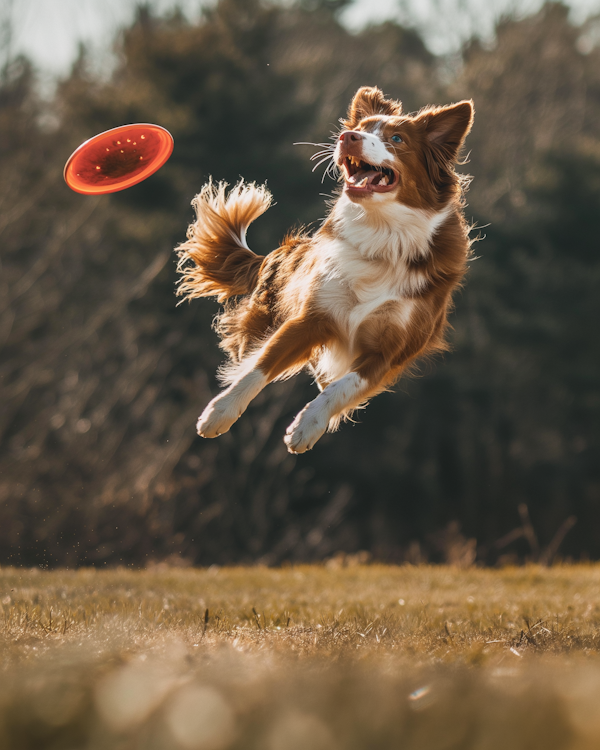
(366,177)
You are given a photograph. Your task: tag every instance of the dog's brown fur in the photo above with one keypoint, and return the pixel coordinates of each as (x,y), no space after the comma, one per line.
(289,312)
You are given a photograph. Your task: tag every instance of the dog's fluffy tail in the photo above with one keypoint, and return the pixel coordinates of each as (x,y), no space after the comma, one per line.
(216,261)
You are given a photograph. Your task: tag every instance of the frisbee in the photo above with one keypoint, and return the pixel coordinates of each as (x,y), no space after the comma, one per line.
(118,158)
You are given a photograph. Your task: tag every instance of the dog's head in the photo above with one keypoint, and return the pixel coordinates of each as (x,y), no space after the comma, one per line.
(385,155)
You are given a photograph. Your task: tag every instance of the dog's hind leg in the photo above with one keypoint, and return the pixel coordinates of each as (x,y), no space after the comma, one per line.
(286,352)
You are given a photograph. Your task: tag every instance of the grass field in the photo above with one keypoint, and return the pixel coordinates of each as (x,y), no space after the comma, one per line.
(301,658)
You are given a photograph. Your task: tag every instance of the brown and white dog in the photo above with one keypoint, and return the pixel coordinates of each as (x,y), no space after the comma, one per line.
(360,299)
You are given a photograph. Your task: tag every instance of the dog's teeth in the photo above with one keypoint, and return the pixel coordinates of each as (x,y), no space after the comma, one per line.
(383,180)
(363,182)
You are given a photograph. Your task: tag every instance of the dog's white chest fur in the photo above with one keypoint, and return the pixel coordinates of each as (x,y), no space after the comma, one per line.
(386,229)
(366,266)
(352,287)
(368,263)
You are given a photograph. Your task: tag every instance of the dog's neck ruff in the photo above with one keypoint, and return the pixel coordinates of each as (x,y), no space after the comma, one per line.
(386,229)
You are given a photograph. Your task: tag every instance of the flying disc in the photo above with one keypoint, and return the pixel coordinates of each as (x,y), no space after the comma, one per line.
(118,158)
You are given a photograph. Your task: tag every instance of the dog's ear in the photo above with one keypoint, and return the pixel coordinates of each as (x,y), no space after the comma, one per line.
(447,127)
(368,101)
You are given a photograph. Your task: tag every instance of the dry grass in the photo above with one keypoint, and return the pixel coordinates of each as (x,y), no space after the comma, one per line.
(305,657)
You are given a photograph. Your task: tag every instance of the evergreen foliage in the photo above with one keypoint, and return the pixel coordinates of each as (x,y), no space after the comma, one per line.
(102,376)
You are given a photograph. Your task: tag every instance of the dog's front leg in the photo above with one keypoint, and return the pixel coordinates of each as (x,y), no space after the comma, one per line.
(312,422)
(288,348)
(228,406)
(382,348)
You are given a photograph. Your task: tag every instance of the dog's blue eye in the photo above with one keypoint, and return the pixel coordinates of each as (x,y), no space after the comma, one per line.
(396,139)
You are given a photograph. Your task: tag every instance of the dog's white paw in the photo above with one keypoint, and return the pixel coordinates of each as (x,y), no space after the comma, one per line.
(305,430)
(217,418)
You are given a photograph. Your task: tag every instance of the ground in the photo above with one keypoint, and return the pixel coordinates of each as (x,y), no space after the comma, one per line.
(309,657)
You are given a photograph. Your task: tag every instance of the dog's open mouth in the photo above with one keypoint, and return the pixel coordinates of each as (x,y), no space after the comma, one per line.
(362,177)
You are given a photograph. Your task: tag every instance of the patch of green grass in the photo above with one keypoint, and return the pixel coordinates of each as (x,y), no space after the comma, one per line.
(303,657)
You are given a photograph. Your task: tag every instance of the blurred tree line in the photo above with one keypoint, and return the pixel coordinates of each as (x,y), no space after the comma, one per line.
(102,376)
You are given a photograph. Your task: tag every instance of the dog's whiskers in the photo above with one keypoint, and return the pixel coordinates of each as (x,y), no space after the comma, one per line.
(324,159)
(332,170)
(325,154)
(310,143)
(320,153)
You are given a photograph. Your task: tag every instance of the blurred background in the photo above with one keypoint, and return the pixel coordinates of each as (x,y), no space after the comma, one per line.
(490,455)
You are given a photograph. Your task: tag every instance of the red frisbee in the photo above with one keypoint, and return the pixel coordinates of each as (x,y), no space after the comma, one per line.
(118,158)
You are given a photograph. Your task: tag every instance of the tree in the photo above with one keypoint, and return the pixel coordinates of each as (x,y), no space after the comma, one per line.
(102,376)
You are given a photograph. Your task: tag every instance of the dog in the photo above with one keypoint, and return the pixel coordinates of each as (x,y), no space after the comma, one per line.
(360,299)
